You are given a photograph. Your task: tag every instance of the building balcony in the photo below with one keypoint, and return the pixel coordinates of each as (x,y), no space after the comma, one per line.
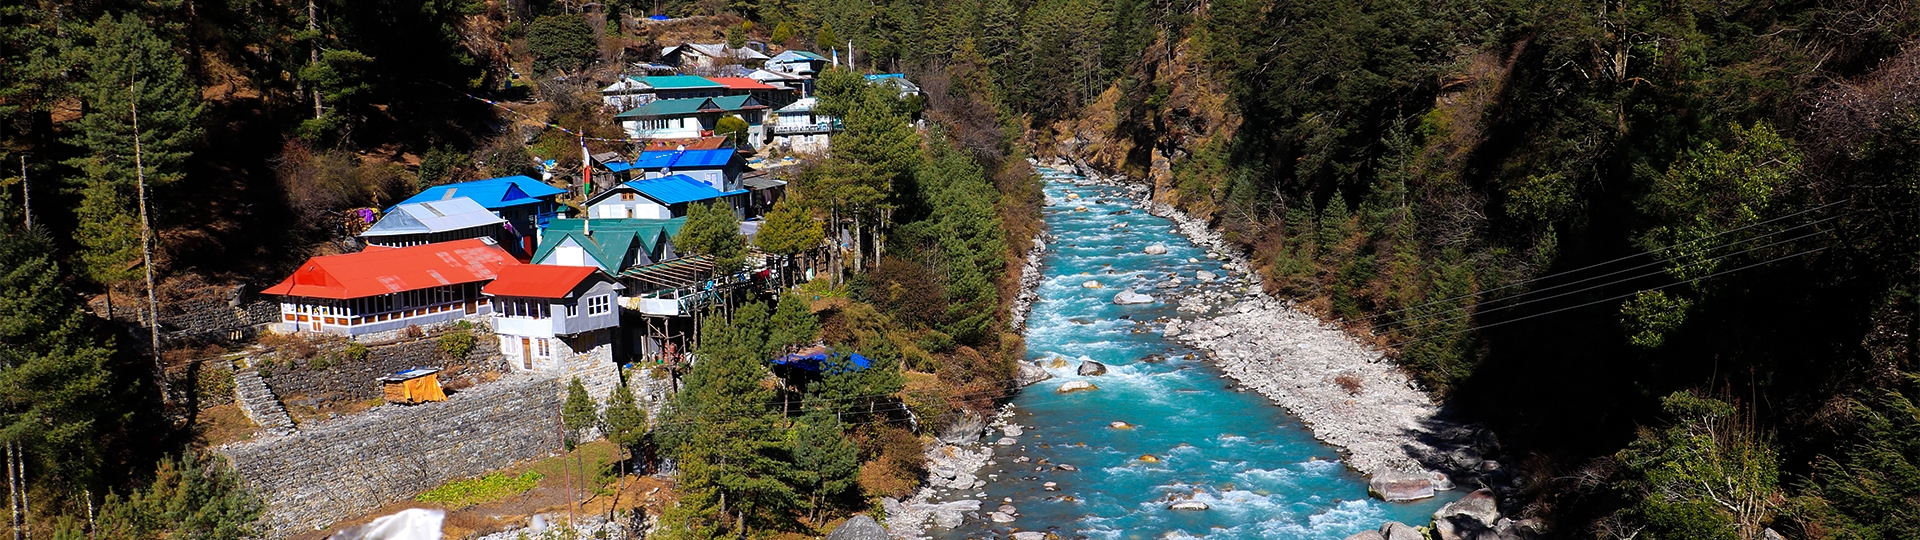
(807,129)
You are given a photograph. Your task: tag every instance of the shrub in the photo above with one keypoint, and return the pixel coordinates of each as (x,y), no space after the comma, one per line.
(356,351)
(457,343)
(413,331)
(894,462)
(1348,382)
(489,488)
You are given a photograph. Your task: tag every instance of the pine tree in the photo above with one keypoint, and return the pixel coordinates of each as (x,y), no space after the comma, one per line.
(788,231)
(561,43)
(826,464)
(56,395)
(729,442)
(189,498)
(579,412)
(127,60)
(793,325)
(712,229)
(624,422)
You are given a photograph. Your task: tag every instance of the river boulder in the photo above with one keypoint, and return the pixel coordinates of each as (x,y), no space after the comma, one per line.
(1205,276)
(1076,386)
(1091,284)
(1394,530)
(1396,486)
(1030,374)
(1472,516)
(1156,249)
(1366,535)
(1090,368)
(859,527)
(1188,505)
(1129,297)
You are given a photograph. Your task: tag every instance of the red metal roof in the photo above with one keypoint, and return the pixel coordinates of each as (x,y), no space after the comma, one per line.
(538,280)
(383,271)
(741,83)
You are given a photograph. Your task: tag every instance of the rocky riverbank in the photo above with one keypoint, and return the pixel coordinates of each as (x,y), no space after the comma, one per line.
(951,493)
(1350,396)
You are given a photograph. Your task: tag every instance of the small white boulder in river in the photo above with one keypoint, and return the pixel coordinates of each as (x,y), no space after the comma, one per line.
(1156,249)
(1129,297)
(1188,505)
(1076,386)
(1205,276)
(1091,284)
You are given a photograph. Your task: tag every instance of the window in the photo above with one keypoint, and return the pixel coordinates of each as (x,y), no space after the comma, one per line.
(573,310)
(544,352)
(626,196)
(599,305)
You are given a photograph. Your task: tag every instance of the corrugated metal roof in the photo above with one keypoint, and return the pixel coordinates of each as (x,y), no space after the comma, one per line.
(688,159)
(675,82)
(677,189)
(737,103)
(669,107)
(538,280)
(433,216)
(492,193)
(384,271)
(798,55)
(612,239)
(741,83)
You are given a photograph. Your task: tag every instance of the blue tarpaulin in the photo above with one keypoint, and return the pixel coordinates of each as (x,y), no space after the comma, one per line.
(824,361)
(661,17)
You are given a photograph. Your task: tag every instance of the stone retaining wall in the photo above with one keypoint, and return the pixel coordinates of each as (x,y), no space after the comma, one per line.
(339,469)
(353,380)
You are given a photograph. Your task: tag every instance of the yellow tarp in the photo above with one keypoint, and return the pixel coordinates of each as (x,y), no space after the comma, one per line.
(425,389)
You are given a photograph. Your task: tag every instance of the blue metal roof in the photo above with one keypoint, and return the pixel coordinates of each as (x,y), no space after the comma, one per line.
(684,159)
(492,193)
(678,189)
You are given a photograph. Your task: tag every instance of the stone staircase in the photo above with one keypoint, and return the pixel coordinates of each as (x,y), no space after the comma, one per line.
(258,401)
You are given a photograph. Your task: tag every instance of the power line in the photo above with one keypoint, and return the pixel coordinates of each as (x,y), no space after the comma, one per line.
(1609,299)
(1615,282)
(1599,264)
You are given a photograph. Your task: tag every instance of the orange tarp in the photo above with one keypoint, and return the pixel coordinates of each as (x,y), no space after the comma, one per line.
(425,389)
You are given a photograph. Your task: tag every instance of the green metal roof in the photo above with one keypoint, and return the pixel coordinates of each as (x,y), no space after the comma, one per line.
(669,107)
(612,239)
(676,82)
(735,103)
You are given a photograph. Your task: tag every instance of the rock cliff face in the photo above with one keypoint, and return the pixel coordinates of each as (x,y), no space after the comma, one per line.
(1143,131)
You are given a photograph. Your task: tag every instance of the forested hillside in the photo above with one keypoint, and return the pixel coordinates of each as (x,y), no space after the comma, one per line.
(1667,249)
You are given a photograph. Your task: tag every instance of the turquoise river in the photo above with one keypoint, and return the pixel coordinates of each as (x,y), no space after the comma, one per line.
(1259,470)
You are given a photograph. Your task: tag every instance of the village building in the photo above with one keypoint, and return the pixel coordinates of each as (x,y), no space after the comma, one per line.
(609,245)
(549,317)
(447,220)
(385,289)
(796,62)
(763,93)
(664,197)
(636,90)
(896,80)
(710,56)
(525,203)
(799,86)
(693,117)
(800,129)
(720,168)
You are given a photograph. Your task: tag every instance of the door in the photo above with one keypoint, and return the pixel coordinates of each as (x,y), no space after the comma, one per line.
(472,307)
(526,353)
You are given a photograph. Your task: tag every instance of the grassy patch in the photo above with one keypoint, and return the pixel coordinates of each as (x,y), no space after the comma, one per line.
(485,489)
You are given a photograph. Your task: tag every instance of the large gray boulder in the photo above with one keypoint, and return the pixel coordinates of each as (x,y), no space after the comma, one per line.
(859,527)
(1395,486)
(1031,373)
(1091,368)
(1395,530)
(1473,516)
(1129,297)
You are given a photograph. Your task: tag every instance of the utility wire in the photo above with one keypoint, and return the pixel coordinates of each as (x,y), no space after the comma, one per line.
(1609,299)
(1599,264)
(1473,312)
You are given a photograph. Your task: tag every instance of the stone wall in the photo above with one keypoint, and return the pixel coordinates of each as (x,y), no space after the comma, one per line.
(339,469)
(302,383)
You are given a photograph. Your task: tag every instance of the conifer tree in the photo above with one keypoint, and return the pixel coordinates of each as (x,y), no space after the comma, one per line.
(789,230)
(56,396)
(624,422)
(712,229)
(825,463)
(729,442)
(125,61)
(579,412)
(793,324)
